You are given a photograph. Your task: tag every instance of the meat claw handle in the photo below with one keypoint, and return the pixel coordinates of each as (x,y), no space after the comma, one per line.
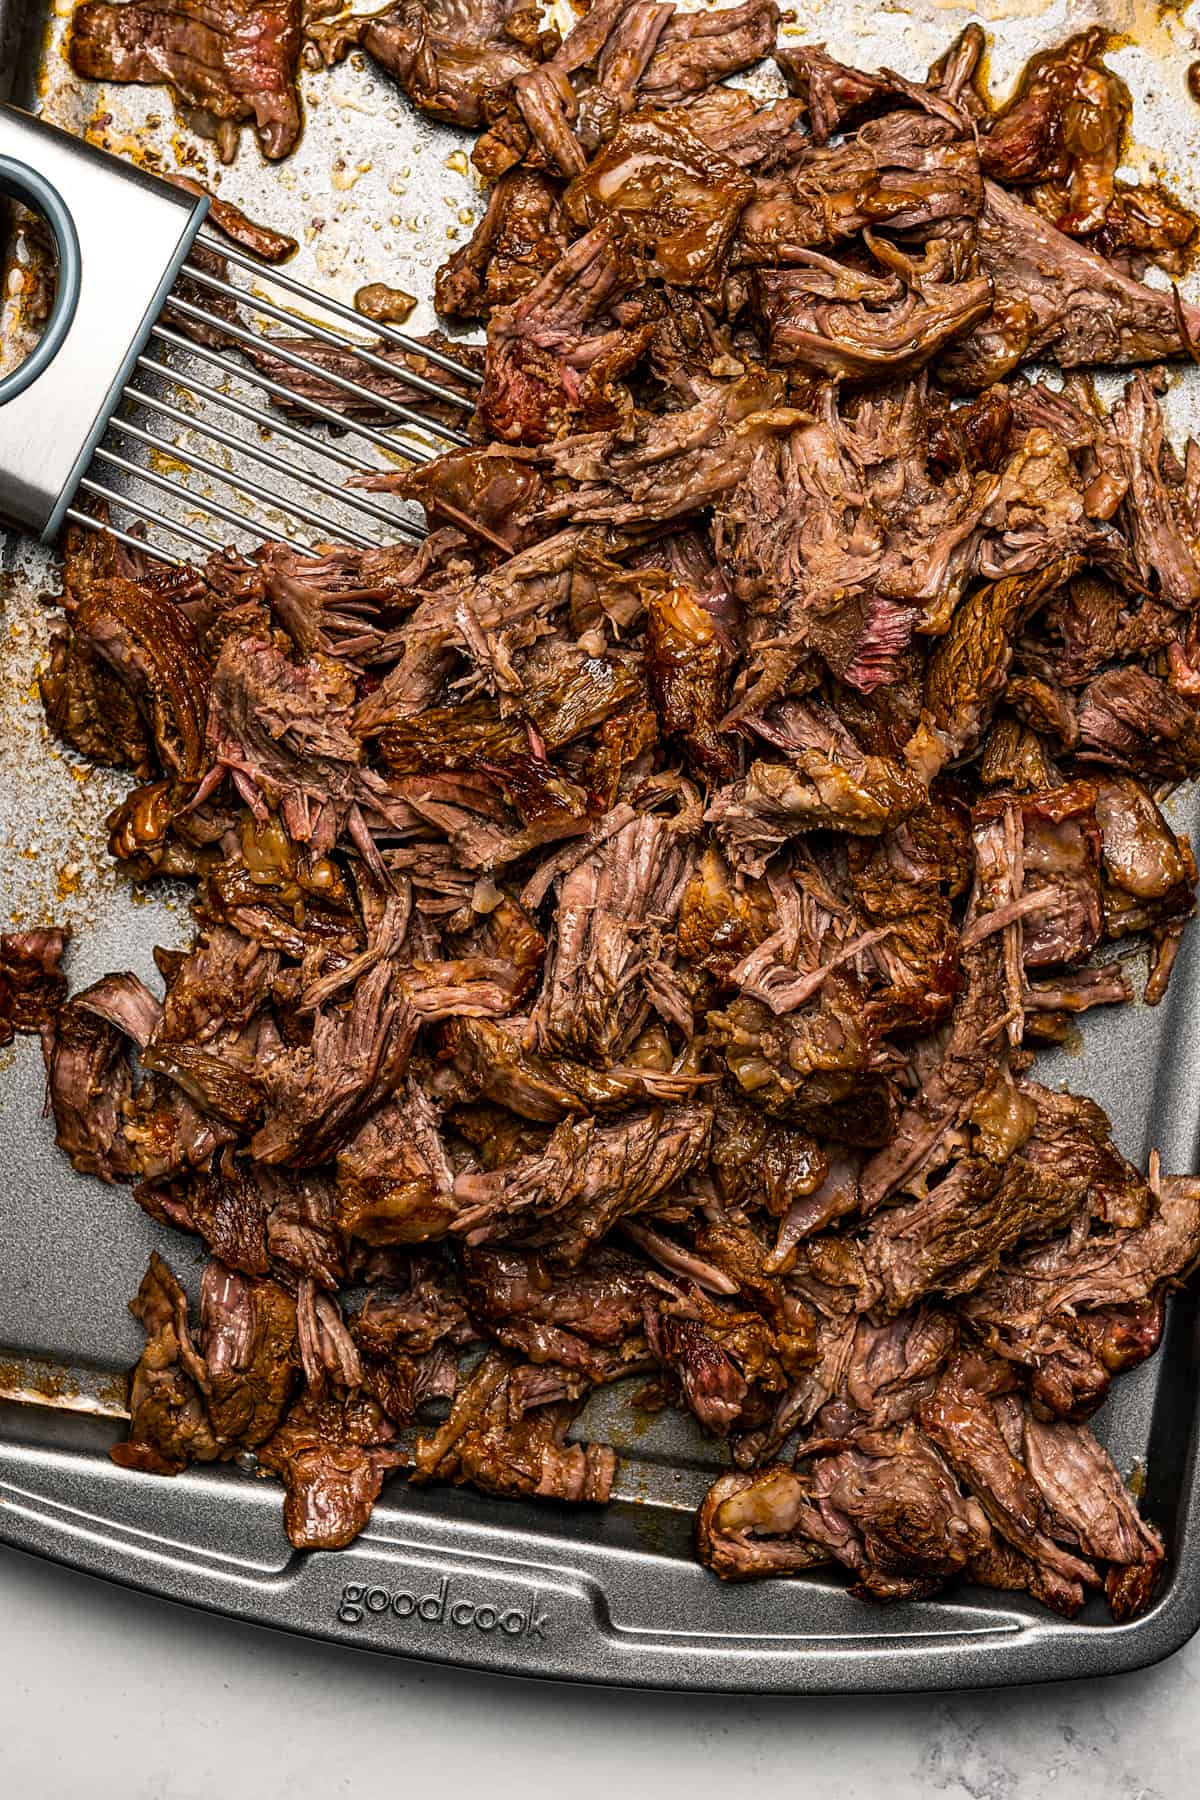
(120,237)
(20,182)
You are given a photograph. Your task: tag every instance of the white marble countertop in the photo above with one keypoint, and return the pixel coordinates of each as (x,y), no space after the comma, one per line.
(105,1693)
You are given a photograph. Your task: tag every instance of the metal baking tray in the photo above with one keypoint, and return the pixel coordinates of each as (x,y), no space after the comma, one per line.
(598,1595)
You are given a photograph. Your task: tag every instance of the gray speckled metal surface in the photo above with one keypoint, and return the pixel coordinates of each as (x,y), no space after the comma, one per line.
(375,192)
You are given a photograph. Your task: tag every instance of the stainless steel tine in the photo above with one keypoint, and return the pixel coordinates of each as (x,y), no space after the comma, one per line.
(307,478)
(241,484)
(337,339)
(294,360)
(254,415)
(108,529)
(413,345)
(197,539)
(166,486)
(276,389)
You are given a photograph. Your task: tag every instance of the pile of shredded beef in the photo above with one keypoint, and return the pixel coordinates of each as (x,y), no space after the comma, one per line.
(625,923)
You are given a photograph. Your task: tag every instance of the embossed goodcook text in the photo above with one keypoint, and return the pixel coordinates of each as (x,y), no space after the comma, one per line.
(467,1612)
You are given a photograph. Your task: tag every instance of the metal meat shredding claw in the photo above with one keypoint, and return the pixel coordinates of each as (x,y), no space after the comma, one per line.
(114,399)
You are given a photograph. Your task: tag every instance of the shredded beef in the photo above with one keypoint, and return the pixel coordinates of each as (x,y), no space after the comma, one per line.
(626,921)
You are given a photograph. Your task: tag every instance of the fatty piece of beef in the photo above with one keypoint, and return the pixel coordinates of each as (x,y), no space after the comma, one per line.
(229,62)
(168,1137)
(829,788)
(1057,300)
(889,1510)
(612,913)
(588,1320)
(490,1442)
(587,1177)
(759,1162)
(254,890)
(810,1067)
(395,1183)
(689,658)
(1056,871)
(1149,872)
(749,1526)
(1060,137)
(1063,126)
(32,984)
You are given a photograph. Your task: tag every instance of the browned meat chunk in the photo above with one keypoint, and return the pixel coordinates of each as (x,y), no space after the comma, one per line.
(169,1422)
(1058,299)
(587,1177)
(513,246)
(331,1455)
(32,984)
(490,1442)
(231,63)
